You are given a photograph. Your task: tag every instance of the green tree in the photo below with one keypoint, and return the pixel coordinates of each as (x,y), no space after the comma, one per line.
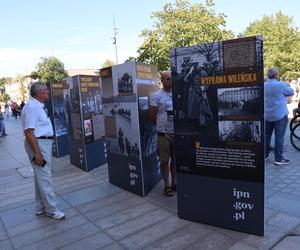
(23,90)
(131,59)
(50,70)
(5,80)
(281,43)
(107,63)
(4,98)
(178,25)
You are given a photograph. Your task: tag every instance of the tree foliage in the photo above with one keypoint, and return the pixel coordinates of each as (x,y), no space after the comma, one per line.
(281,43)
(107,63)
(50,70)
(178,25)
(21,79)
(5,80)
(4,98)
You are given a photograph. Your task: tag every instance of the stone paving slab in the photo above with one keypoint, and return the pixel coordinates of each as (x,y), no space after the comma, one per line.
(5,245)
(89,194)
(96,241)
(103,202)
(215,241)
(25,213)
(150,234)
(36,223)
(25,172)
(113,208)
(277,227)
(241,246)
(290,243)
(287,203)
(138,224)
(47,231)
(178,240)
(102,216)
(64,238)
(125,215)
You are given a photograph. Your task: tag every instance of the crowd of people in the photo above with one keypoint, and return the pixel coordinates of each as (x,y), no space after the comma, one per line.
(11,109)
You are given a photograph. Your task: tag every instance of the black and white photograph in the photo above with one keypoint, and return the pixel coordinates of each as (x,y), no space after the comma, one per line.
(125,85)
(60,121)
(126,140)
(91,102)
(67,109)
(123,79)
(148,139)
(98,126)
(147,129)
(143,103)
(195,108)
(239,101)
(240,131)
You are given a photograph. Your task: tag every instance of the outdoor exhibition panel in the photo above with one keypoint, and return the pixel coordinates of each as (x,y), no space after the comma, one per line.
(130,136)
(219,130)
(83,105)
(56,112)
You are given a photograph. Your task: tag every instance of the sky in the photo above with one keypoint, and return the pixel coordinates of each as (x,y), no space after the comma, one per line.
(79,32)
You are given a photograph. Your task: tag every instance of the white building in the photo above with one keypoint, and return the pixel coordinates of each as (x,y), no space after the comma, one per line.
(241,94)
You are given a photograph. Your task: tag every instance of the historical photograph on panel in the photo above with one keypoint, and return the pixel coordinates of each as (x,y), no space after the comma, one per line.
(107,88)
(98,126)
(239,101)
(240,131)
(123,79)
(147,129)
(126,141)
(195,108)
(60,119)
(143,103)
(67,109)
(76,126)
(88,127)
(74,100)
(91,102)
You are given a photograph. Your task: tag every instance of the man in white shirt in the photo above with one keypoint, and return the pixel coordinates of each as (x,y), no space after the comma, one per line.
(161,114)
(38,144)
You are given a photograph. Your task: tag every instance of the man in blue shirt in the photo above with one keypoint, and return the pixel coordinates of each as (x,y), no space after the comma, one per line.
(276,113)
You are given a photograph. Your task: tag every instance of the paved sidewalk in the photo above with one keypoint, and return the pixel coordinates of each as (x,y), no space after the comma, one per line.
(102,216)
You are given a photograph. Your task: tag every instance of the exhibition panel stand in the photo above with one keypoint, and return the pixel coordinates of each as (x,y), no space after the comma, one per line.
(83,106)
(218,102)
(131,139)
(56,112)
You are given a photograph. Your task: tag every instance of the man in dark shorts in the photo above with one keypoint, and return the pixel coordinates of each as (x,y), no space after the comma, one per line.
(161,113)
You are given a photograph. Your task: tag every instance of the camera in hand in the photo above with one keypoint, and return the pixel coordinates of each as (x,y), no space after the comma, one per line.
(43,164)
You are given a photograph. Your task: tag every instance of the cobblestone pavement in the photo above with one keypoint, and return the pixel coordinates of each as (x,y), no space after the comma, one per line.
(102,216)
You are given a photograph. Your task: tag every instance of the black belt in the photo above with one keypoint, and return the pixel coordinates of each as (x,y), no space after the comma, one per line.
(163,134)
(45,137)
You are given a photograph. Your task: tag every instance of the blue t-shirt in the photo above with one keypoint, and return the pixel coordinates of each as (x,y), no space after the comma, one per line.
(276,93)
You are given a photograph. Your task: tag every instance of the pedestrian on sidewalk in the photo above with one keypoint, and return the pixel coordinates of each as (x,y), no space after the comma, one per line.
(38,132)
(2,125)
(6,109)
(161,114)
(276,114)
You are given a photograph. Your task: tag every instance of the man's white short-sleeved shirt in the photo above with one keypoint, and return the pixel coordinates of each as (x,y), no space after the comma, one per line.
(34,117)
(163,101)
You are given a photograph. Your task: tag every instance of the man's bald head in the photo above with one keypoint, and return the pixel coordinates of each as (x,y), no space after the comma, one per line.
(166,79)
